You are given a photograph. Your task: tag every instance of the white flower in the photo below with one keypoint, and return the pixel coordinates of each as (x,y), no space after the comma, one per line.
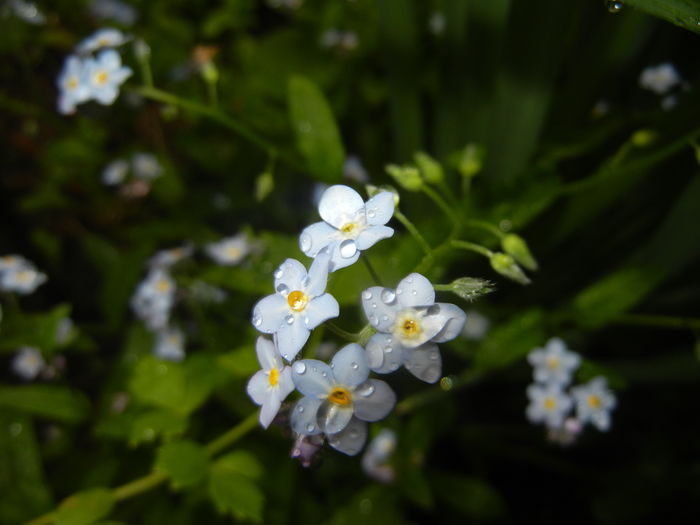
(72,84)
(437,22)
(104,75)
(65,330)
(146,166)
(298,306)
(660,78)
(476,326)
(349,225)
(271,385)
(409,322)
(115,172)
(164,259)
(106,37)
(375,461)
(339,398)
(354,170)
(114,10)
(229,250)
(594,402)
(19,275)
(154,298)
(26,11)
(548,404)
(554,363)
(28,363)
(170,344)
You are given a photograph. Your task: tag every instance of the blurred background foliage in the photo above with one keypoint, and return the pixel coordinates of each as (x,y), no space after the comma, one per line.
(583,163)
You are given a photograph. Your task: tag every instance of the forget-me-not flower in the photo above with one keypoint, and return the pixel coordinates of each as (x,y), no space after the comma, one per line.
(170,344)
(594,402)
(19,275)
(554,363)
(154,298)
(28,363)
(660,78)
(104,74)
(271,385)
(105,37)
(229,250)
(72,84)
(549,404)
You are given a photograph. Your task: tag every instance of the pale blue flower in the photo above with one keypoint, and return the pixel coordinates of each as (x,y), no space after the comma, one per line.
(660,78)
(298,305)
(549,404)
(19,275)
(375,461)
(104,75)
(115,172)
(594,402)
(349,225)
(146,166)
(271,385)
(114,10)
(229,251)
(102,38)
(72,84)
(28,363)
(154,298)
(170,344)
(554,363)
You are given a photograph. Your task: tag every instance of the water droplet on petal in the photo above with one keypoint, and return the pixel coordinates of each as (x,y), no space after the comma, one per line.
(367,295)
(374,305)
(307,321)
(257,319)
(615,7)
(355,366)
(310,427)
(305,242)
(299,368)
(434,355)
(286,356)
(289,319)
(314,369)
(367,389)
(347,248)
(372,213)
(373,320)
(305,282)
(388,349)
(279,272)
(399,291)
(388,296)
(385,318)
(283,289)
(300,409)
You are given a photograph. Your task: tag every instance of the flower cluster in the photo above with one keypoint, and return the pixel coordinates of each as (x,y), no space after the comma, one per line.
(340,398)
(19,275)
(86,77)
(144,166)
(553,367)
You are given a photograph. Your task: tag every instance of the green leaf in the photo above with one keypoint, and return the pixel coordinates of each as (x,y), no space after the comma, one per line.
(37,330)
(315,129)
(241,362)
(184,462)
(150,425)
(54,402)
(470,496)
(683,13)
(232,486)
(85,507)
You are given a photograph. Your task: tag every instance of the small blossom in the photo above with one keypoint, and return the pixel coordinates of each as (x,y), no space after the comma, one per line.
(548,404)
(154,298)
(115,172)
(594,402)
(476,326)
(26,11)
(170,344)
(65,330)
(339,398)
(230,250)
(104,75)
(554,363)
(298,306)
(106,37)
(271,385)
(354,170)
(566,434)
(164,259)
(409,322)
(113,10)
(28,363)
(660,78)
(349,225)
(375,461)
(19,275)
(72,84)
(146,166)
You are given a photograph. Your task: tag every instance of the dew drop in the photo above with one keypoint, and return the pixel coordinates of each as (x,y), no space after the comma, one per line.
(283,289)
(354,366)
(257,319)
(305,242)
(434,356)
(414,292)
(310,427)
(286,356)
(314,369)
(279,272)
(307,321)
(353,434)
(367,390)
(388,349)
(373,320)
(347,248)
(385,318)
(289,319)
(367,295)
(300,409)
(372,213)
(299,368)
(374,305)
(388,296)
(399,291)
(615,7)
(324,374)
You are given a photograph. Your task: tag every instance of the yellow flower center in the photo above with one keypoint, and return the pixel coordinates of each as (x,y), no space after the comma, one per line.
(101,78)
(163,286)
(233,252)
(72,83)
(594,402)
(348,228)
(340,396)
(553,363)
(23,276)
(297,300)
(273,377)
(550,404)
(408,326)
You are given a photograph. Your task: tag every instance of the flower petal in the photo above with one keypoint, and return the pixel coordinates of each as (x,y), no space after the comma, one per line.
(269,313)
(304,416)
(371,235)
(351,439)
(333,418)
(258,387)
(380,307)
(380,208)
(424,362)
(384,353)
(285,384)
(312,378)
(455,322)
(349,365)
(270,408)
(339,255)
(268,356)
(339,205)
(320,309)
(415,290)
(291,338)
(318,274)
(373,400)
(289,277)
(316,237)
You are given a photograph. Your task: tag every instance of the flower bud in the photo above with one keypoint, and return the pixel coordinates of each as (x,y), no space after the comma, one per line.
(643,138)
(210,73)
(264,184)
(506,266)
(471,160)
(373,190)
(471,288)
(516,246)
(408,177)
(429,168)
(142,50)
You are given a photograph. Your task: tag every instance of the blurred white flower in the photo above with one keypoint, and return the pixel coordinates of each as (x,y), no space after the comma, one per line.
(170,344)
(375,461)
(115,172)
(146,166)
(26,11)
(660,78)
(548,404)
(104,75)
(476,326)
(72,84)
(436,22)
(153,299)
(19,275)
(229,251)
(594,402)
(554,363)
(28,363)
(114,10)
(354,170)
(102,38)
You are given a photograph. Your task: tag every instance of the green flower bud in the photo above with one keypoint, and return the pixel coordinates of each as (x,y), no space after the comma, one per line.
(372,190)
(210,73)
(506,266)
(408,177)
(643,137)
(264,185)
(516,246)
(471,288)
(471,160)
(429,168)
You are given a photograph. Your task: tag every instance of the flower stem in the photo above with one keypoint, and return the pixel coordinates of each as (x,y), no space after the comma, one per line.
(491,228)
(430,192)
(348,336)
(464,245)
(234,434)
(370,269)
(410,227)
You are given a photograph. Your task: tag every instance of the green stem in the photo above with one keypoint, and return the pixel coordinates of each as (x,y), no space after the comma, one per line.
(138,486)
(348,336)
(464,245)
(213,93)
(370,269)
(413,231)
(491,228)
(229,438)
(447,210)
(442,287)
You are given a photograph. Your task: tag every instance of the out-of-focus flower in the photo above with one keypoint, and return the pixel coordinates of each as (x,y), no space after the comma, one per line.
(153,299)
(594,402)
(102,38)
(554,363)
(299,305)
(375,461)
(114,10)
(207,293)
(146,166)
(660,78)
(115,172)
(349,225)
(164,259)
(72,84)
(28,363)
(170,344)
(229,251)
(271,385)
(354,170)
(26,11)
(19,275)
(566,434)
(340,40)
(65,329)
(476,326)
(548,404)
(104,75)
(436,22)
